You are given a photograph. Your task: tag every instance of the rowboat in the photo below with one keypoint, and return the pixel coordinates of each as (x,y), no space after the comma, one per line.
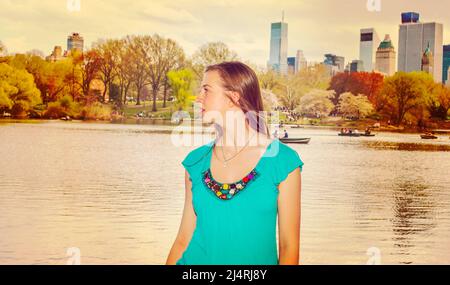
(428,137)
(295,140)
(297,127)
(349,135)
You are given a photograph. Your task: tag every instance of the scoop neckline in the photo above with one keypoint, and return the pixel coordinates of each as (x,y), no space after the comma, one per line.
(251,171)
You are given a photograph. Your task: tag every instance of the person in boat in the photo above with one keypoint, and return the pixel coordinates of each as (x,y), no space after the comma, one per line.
(286,135)
(367,131)
(350,131)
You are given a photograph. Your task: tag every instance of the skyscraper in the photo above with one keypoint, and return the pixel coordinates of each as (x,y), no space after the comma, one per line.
(334,63)
(279,47)
(414,38)
(292,65)
(368,45)
(300,60)
(446,64)
(385,58)
(356,65)
(75,41)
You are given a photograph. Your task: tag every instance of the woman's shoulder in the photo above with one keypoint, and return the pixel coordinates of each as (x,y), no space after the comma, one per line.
(284,160)
(197,153)
(282,150)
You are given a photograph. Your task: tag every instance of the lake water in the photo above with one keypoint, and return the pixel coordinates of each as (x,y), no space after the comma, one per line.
(115,192)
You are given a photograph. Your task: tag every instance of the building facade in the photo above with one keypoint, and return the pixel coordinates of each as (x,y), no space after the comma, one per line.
(75,41)
(386,57)
(369,42)
(446,64)
(279,47)
(334,63)
(414,38)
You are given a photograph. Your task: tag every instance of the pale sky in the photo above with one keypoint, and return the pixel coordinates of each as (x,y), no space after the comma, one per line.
(315,26)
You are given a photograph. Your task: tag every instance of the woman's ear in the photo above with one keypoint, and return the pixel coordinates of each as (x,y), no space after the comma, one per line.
(235,96)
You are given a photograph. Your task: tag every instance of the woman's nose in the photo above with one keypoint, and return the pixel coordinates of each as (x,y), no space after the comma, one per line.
(199,98)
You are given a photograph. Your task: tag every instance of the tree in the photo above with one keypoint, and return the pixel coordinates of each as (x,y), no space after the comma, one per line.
(18,93)
(122,56)
(107,64)
(161,55)
(268,80)
(365,83)
(289,92)
(404,93)
(316,103)
(211,53)
(138,46)
(3,50)
(354,106)
(182,83)
(90,66)
(443,102)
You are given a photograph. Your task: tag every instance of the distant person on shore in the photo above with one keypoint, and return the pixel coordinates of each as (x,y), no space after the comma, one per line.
(275,134)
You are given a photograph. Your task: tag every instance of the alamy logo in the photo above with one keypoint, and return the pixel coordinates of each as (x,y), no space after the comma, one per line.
(74,254)
(374,5)
(73,5)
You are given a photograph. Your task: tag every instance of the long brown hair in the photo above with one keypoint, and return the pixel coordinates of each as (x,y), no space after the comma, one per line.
(238,77)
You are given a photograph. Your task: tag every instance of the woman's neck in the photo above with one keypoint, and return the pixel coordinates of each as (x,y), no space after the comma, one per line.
(237,134)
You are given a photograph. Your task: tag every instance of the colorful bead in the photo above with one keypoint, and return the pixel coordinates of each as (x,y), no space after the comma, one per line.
(227,191)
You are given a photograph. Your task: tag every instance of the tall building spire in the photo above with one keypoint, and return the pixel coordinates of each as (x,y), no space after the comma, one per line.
(282,16)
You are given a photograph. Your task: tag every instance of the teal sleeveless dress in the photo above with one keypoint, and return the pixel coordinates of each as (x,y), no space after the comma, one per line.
(236,223)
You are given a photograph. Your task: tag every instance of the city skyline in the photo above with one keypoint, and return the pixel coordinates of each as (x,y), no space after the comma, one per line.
(316,27)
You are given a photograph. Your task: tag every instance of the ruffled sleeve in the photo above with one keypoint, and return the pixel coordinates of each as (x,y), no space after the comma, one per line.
(287,161)
(193,161)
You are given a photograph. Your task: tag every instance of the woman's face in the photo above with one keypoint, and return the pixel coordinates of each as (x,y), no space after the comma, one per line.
(212,98)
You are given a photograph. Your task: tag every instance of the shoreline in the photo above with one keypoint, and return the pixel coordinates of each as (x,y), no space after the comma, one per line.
(153,121)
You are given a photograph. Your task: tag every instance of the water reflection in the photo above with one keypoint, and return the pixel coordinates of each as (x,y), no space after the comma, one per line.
(116,192)
(386,145)
(414,215)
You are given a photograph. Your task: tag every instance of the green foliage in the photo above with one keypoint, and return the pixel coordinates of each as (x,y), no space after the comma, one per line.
(18,92)
(182,84)
(407,95)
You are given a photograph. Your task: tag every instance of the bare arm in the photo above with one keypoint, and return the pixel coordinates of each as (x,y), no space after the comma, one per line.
(187,226)
(289,201)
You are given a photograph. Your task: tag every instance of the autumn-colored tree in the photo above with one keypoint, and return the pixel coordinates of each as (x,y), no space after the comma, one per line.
(406,93)
(107,63)
(365,83)
(3,50)
(123,68)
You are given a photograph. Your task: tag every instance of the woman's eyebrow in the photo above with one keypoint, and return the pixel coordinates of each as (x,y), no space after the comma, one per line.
(206,85)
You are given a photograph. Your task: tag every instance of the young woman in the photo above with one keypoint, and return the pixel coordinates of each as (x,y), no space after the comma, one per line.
(238,183)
